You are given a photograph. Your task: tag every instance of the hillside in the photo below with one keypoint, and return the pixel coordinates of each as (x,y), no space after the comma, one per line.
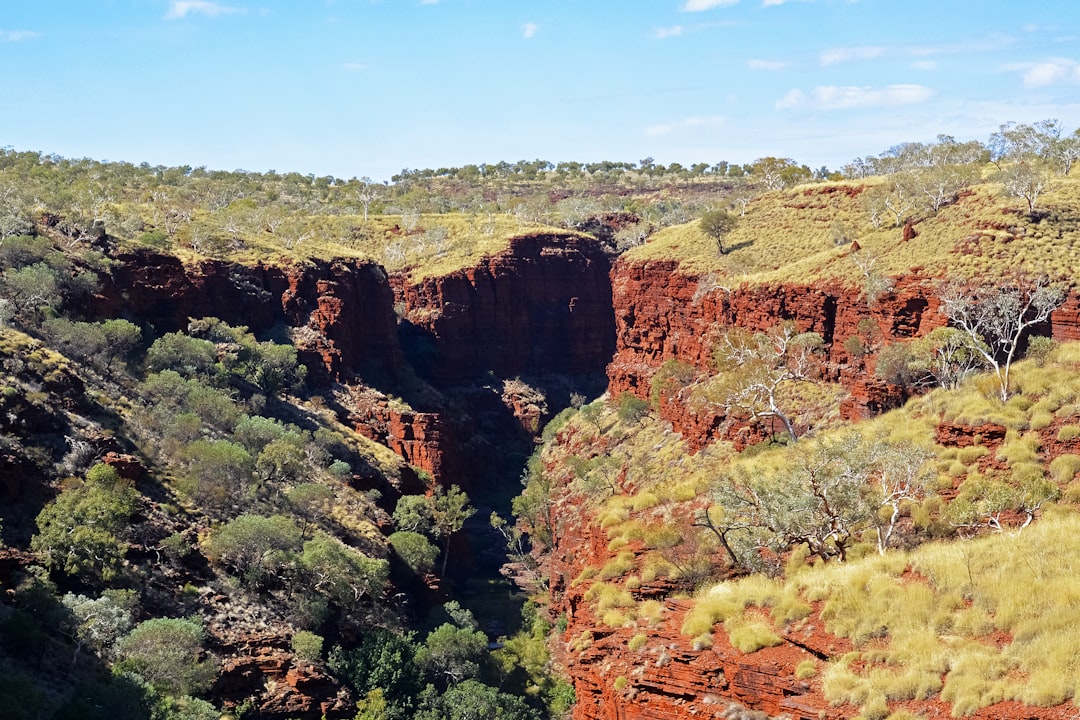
(277,423)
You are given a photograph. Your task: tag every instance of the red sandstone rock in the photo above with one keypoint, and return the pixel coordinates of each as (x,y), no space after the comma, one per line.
(543,305)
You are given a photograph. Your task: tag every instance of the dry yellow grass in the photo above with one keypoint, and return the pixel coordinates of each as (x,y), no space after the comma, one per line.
(791,233)
(423,245)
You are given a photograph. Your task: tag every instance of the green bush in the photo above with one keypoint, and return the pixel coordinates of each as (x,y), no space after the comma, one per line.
(257,549)
(341,574)
(415,550)
(220,475)
(307,645)
(78,530)
(168,653)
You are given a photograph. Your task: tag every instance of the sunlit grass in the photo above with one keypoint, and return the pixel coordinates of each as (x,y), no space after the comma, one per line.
(791,234)
(423,245)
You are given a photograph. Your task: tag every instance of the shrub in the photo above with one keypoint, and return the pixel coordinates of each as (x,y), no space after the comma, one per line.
(1064,467)
(168,653)
(638,641)
(1068,432)
(307,645)
(415,550)
(78,530)
(342,574)
(632,409)
(257,549)
(220,474)
(187,355)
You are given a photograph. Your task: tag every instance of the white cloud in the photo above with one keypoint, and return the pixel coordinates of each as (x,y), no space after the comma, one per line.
(17,35)
(668,32)
(766,64)
(926,65)
(528,30)
(837,97)
(792,99)
(710,122)
(429,2)
(700,5)
(182,8)
(989,43)
(850,54)
(355,67)
(1052,72)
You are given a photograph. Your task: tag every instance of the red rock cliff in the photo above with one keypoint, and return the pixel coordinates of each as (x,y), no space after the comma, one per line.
(340,312)
(662,313)
(543,306)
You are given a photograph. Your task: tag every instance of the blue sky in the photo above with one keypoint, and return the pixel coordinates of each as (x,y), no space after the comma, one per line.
(368,87)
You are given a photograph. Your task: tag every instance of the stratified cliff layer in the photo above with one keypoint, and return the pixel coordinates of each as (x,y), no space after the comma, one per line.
(541,307)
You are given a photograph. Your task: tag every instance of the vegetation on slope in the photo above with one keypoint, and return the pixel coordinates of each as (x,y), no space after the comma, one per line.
(921,552)
(169,495)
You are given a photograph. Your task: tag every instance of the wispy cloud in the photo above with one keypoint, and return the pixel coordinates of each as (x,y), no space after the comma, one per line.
(528,30)
(836,56)
(836,97)
(989,43)
(182,8)
(700,5)
(710,122)
(429,2)
(1055,71)
(925,65)
(766,64)
(355,66)
(17,35)
(663,33)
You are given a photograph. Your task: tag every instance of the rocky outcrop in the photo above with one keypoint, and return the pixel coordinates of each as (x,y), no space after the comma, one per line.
(273,683)
(664,314)
(543,306)
(339,313)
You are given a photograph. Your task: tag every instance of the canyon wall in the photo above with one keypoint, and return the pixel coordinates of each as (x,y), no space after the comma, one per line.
(541,307)
(549,304)
(340,312)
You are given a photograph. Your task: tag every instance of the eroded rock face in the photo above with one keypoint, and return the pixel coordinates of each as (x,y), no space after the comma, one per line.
(259,671)
(663,314)
(340,313)
(542,306)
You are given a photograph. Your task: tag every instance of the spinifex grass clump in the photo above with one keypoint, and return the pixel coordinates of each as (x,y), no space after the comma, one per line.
(976,622)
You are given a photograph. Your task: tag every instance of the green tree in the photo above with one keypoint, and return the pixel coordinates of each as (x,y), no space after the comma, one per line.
(413,513)
(168,653)
(632,409)
(453,654)
(307,646)
(449,511)
(415,550)
(383,663)
(342,574)
(122,339)
(310,500)
(189,356)
(994,317)
(257,549)
(473,700)
(718,224)
(78,531)
(30,289)
(219,474)
(100,622)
